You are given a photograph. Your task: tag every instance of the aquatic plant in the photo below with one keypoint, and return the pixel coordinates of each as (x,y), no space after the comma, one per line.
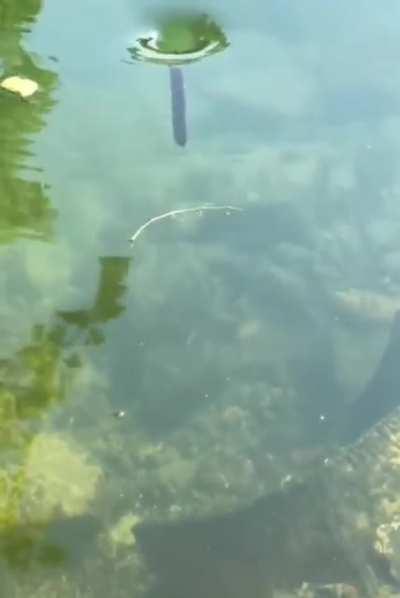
(11,490)
(58,479)
(52,479)
(121,535)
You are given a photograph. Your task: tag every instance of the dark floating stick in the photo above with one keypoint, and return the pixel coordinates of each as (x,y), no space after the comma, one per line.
(178,105)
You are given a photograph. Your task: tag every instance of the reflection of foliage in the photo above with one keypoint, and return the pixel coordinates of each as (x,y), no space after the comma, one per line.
(184,32)
(180,35)
(107,304)
(41,359)
(10,497)
(24,206)
(38,367)
(13,14)
(13,432)
(44,477)
(46,480)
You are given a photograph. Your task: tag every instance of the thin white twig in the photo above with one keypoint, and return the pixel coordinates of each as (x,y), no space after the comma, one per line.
(172,213)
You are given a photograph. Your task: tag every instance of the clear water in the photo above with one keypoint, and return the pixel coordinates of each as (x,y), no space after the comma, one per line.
(165,387)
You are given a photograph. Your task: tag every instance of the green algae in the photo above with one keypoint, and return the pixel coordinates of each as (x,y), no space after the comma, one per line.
(59,479)
(56,479)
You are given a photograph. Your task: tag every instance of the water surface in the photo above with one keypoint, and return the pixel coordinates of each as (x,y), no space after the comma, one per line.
(189,376)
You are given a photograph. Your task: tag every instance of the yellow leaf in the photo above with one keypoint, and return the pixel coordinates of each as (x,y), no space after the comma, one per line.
(20,86)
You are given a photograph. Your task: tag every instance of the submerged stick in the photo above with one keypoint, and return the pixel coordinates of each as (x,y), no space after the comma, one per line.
(173,213)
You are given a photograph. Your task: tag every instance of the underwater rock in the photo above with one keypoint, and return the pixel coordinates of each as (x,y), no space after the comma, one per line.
(323,528)
(384,534)
(58,479)
(361,488)
(218,462)
(339,525)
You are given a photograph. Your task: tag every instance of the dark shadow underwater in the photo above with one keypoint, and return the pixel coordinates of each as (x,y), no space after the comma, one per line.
(289,537)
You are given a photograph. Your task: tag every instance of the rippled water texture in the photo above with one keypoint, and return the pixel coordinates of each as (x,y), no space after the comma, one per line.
(212,409)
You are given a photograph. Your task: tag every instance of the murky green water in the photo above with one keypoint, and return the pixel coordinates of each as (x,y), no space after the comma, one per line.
(157,400)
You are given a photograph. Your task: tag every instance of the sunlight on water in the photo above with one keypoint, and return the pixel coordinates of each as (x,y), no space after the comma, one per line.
(213,409)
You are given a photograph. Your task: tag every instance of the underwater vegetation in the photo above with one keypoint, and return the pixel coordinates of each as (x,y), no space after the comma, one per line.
(107,305)
(52,479)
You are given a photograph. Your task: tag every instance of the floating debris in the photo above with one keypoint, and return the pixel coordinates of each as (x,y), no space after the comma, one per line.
(173,213)
(21,86)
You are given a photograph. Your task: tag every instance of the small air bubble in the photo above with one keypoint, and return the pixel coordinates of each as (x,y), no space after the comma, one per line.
(119,414)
